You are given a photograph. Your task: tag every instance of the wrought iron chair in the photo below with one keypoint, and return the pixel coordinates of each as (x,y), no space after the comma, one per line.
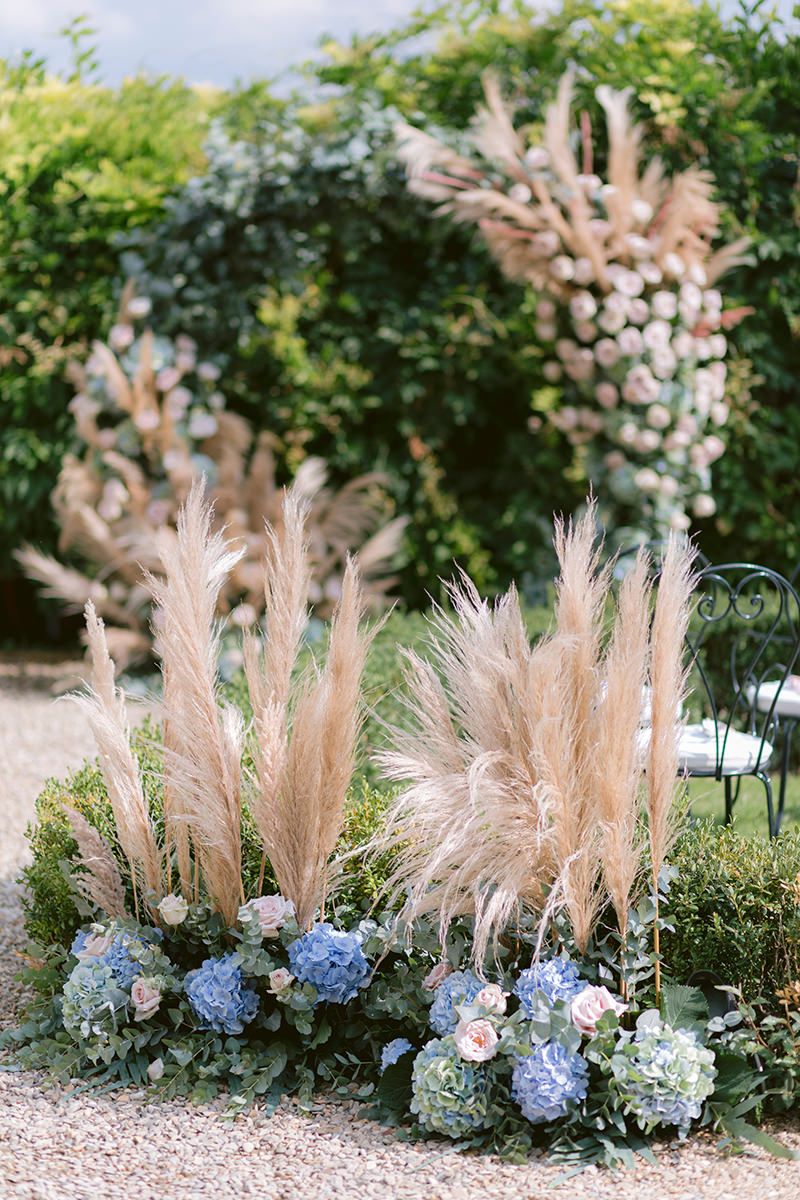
(746,631)
(746,627)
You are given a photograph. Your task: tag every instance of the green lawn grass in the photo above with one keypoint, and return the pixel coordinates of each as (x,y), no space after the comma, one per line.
(750,812)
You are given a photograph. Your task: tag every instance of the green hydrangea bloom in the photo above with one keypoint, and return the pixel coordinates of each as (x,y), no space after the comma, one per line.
(450,1096)
(664,1076)
(92,1002)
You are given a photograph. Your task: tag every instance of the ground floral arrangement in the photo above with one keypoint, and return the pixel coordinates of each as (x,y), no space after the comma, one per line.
(511,992)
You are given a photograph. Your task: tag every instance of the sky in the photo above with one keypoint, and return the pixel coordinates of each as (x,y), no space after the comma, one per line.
(205,41)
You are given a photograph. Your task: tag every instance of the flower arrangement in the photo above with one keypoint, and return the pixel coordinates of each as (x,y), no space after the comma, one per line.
(629,318)
(153,420)
(532,1009)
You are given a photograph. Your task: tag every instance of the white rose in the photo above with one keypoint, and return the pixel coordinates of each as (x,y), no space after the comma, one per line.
(658,416)
(566,348)
(665,305)
(546,331)
(552,371)
(545,310)
(520,193)
(647,480)
(120,336)
(683,344)
(562,268)
(589,1005)
(697,274)
(679,520)
(173,909)
(642,211)
(656,334)
(714,447)
(719,412)
(669,487)
(639,246)
(146,998)
(647,440)
(545,243)
(492,997)
(168,378)
(537,158)
(139,306)
(155,1070)
(712,299)
(718,345)
(586,331)
(704,506)
(674,265)
(280,980)
(650,273)
(476,1041)
(272,912)
(627,433)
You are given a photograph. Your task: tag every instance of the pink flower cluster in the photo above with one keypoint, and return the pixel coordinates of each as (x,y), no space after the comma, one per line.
(643,364)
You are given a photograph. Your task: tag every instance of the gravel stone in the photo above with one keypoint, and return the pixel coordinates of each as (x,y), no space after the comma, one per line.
(59,1144)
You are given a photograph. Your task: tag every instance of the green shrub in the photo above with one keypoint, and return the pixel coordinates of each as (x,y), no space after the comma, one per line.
(51,915)
(80,164)
(735,907)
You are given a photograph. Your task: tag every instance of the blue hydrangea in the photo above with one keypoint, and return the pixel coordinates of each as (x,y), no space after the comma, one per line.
(122,956)
(664,1076)
(332,961)
(548,1082)
(217,993)
(78,942)
(449,1095)
(393,1051)
(91,1001)
(557,978)
(459,988)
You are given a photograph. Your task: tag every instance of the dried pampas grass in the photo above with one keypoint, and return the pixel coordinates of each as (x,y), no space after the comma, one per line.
(522,774)
(99,880)
(305,733)
(202,764)
(104,705)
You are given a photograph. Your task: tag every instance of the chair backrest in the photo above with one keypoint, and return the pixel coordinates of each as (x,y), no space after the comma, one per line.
(744,632)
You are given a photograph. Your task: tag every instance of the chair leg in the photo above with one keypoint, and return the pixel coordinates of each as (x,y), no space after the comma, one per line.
(728,799)
(785,762)
(774,825)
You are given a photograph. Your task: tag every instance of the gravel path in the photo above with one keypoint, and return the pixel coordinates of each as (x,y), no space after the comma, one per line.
(55,1145)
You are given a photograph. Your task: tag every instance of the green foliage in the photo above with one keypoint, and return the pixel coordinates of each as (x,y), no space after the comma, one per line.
(735,908)
(80,164)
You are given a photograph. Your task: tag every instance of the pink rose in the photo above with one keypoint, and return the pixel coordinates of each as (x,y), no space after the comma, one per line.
(607,395)
(638,312)
(437,976)
(630,341)
(492,997)
(552,372)
(272,912)
(589,1005)
(714,447)
(607,352)
(586,330)
(584,272)
(476,1041)
(679,520)
(674,265)
(120,336)
(562,268)
(537,158)
(95,945)
(658,416)
(583,306)
(545,310)
(280,980)
(146,998)
(650,273)
(168,378)
(656,334)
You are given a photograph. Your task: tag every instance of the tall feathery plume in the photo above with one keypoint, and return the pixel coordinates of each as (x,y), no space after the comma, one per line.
(668,675)
(203,764)
(104,705)
(470,826)
(287,576)
(321,758)
(100,882)
(567,747)
(619,766)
